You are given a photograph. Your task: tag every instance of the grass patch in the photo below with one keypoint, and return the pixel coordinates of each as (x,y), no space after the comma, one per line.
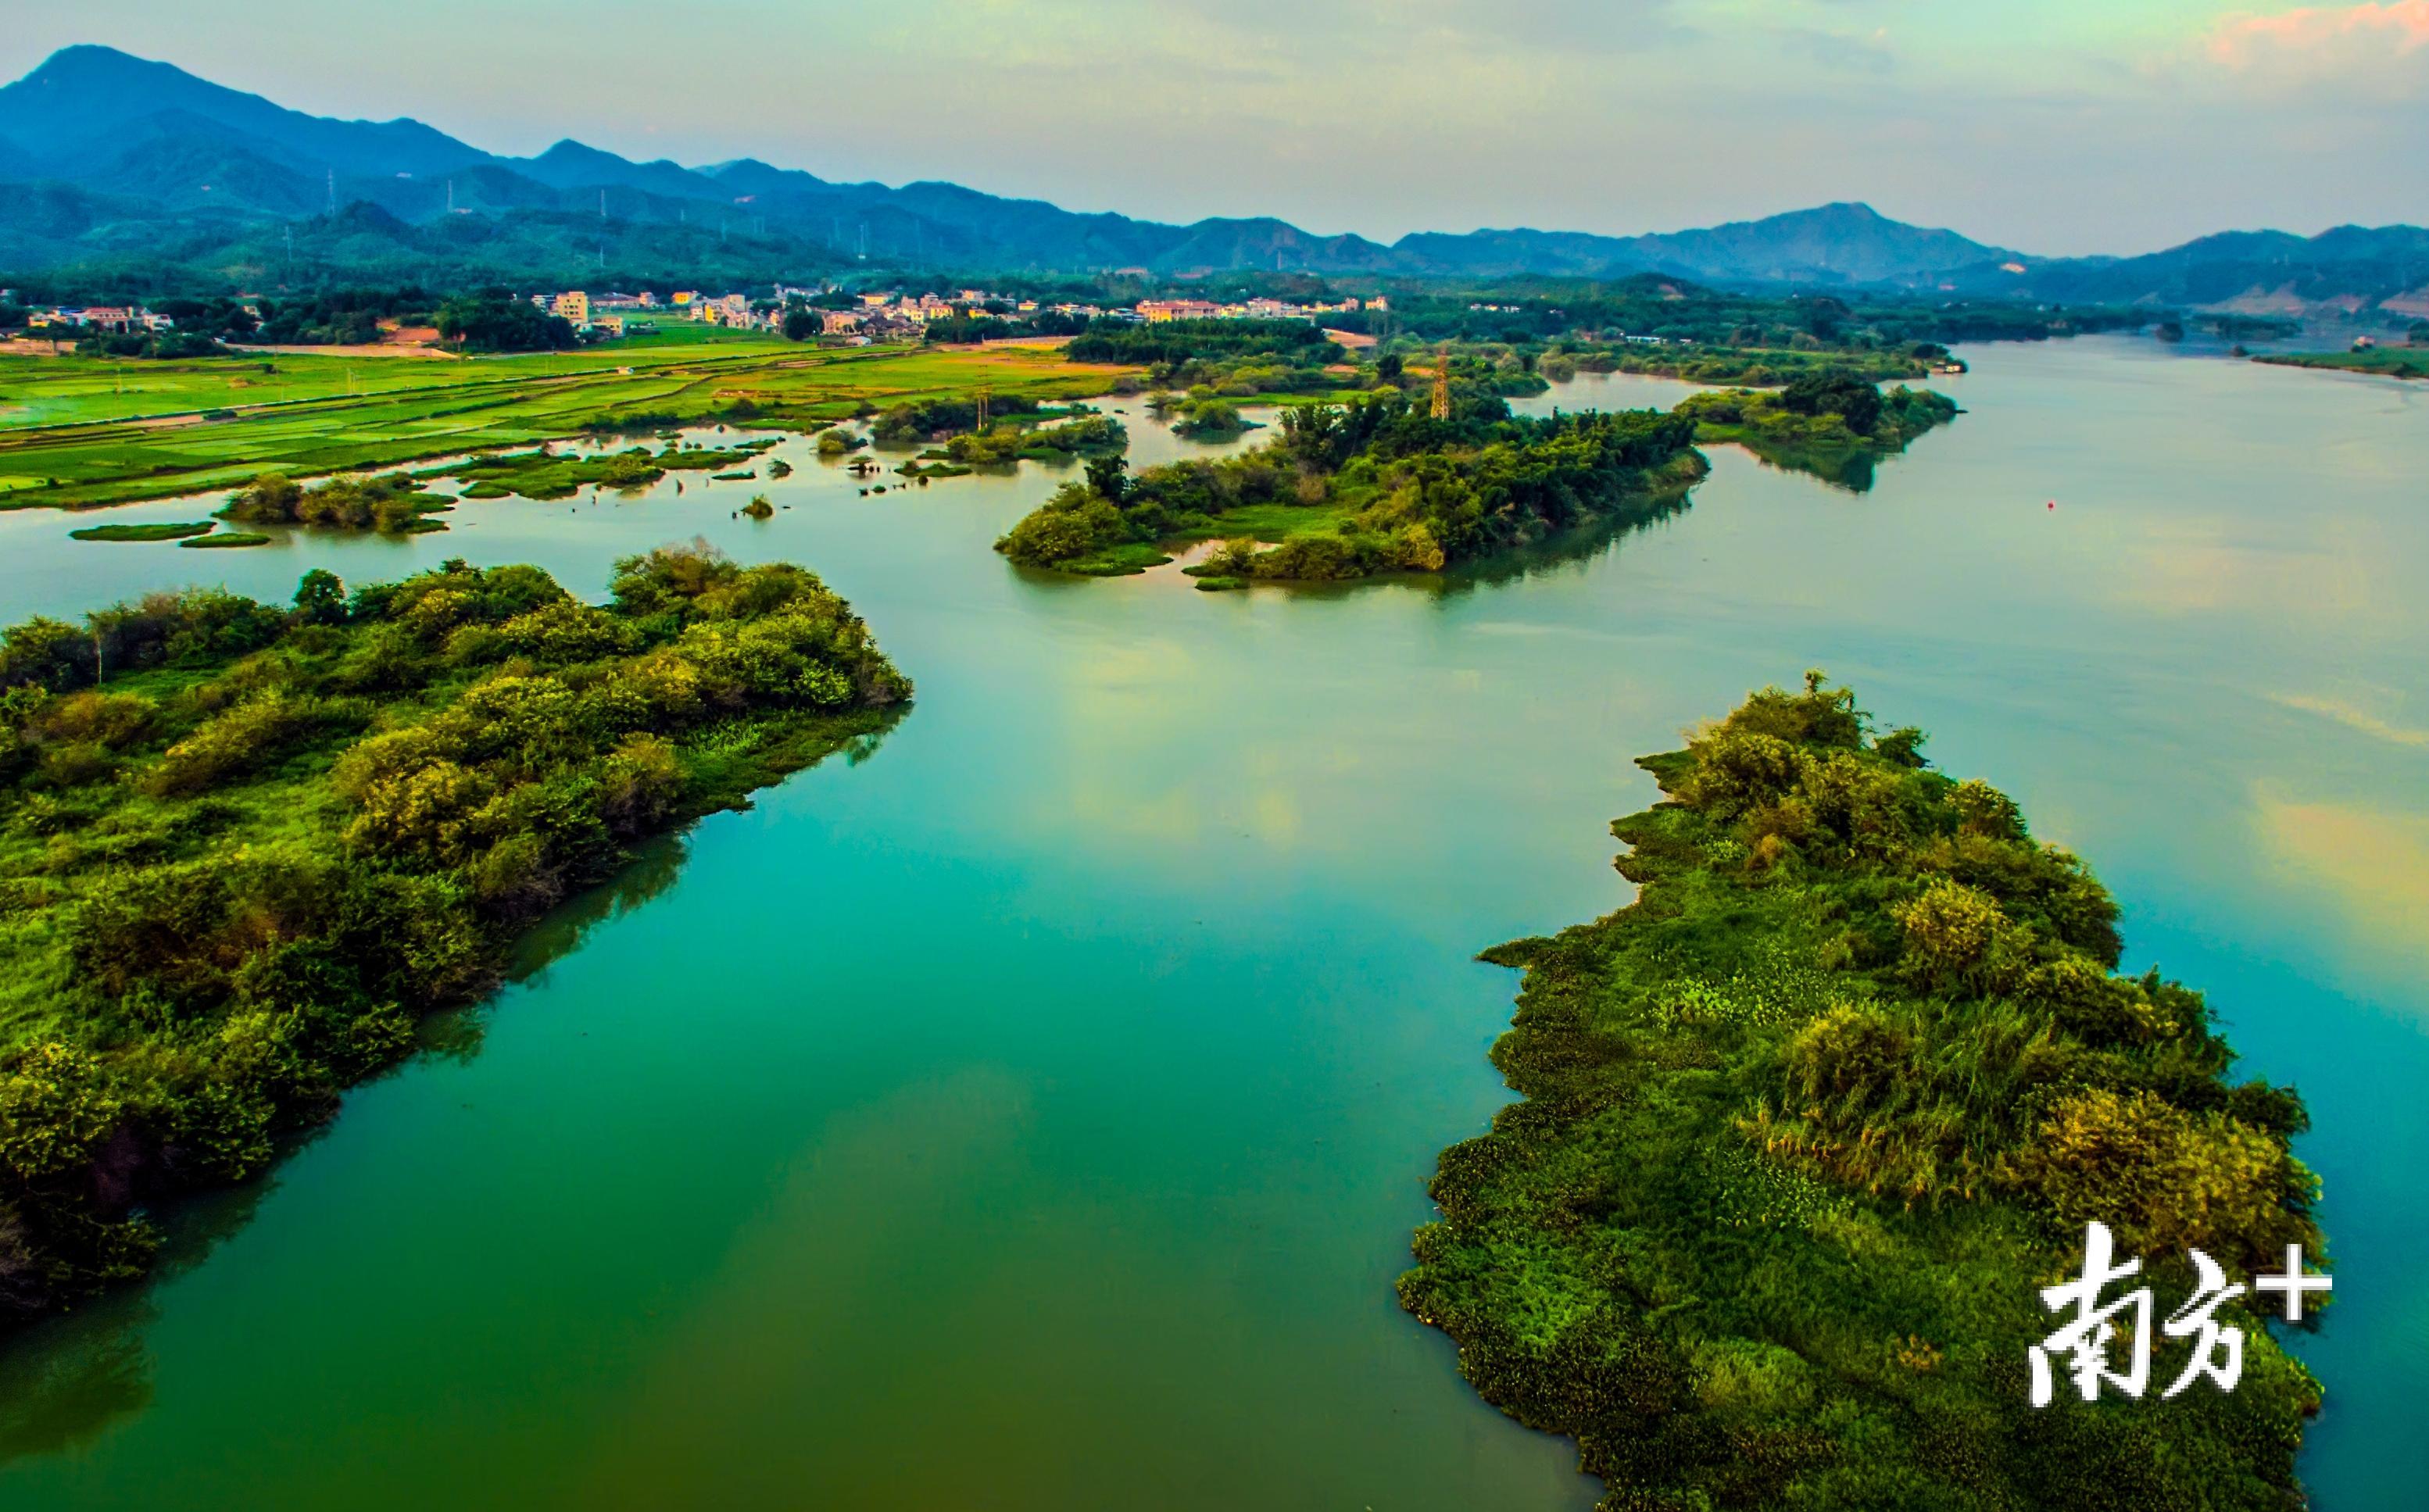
(144,533)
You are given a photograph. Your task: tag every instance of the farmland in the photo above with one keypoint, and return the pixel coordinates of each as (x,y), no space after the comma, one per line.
(77,431)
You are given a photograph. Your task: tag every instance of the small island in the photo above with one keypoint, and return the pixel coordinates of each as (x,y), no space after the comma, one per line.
(1833,423)
(244,847)
(391,504)
(1376,487)
(174,531)
(1804,1127)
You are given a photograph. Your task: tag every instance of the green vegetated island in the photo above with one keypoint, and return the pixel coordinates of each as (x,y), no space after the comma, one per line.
(959,435)
(1832,423)
(244,847)
(2390,361)
(1384,484)
(1806,1127)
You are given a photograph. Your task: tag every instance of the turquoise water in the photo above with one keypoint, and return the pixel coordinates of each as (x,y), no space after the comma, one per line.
(1033,1114)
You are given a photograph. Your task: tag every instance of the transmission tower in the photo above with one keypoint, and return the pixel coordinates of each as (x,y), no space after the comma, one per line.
(1442,385)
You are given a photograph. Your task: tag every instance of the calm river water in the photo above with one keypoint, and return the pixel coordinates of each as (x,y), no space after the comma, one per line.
(1033,1114)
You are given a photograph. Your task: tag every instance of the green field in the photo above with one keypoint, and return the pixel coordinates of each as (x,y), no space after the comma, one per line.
(77,431)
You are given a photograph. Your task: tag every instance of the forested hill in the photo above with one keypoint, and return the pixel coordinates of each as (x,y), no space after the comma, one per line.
(113,162)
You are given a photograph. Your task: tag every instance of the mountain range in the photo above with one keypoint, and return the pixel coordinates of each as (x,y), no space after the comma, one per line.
(112,161)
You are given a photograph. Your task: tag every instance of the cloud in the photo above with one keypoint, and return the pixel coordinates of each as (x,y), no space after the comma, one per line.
(1839,50)
(2352,717)
(2325,34)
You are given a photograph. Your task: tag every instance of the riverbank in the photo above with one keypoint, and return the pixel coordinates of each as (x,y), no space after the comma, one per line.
(245,847)
(2378,362)
(1806,1124)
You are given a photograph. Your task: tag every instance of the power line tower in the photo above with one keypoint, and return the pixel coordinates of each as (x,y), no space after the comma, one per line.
(333,191)
(1442,385)
(982,412)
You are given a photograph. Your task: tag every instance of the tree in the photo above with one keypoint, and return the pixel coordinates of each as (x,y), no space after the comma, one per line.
(320,598)
(1822,316)
(1107,477)
(802,323)
(1835,392)
(494,320)
(1387,368)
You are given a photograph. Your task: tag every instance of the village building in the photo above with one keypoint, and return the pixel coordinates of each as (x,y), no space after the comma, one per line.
(1160,311)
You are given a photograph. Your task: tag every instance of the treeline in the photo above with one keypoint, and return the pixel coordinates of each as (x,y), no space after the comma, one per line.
(1001,324)
(1169,343)
(1536,311)
(1804,1127)
(493,319)
(1384,486)
(244,845)
(332,316)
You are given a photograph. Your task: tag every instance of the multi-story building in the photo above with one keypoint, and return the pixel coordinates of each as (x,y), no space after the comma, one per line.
(1178,309)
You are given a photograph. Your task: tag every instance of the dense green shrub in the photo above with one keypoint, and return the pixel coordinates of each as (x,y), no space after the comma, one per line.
(238,871)
(392,505)
(1805,1127)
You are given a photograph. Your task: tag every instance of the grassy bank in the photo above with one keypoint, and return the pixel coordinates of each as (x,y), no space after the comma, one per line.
(1804,1127)
(2384,362)
(244,847)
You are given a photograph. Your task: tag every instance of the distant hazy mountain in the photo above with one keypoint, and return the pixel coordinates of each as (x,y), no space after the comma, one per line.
(1832,243)
(106,158)
(80,95)
(2251,272)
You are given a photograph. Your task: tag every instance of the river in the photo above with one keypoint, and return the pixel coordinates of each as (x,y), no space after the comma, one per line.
(1032,1115)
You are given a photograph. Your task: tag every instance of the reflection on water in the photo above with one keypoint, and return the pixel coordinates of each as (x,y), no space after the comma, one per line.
(1035,1117)
(78,1378)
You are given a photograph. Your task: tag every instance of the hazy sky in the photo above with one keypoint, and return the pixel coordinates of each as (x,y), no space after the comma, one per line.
(2054,125)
